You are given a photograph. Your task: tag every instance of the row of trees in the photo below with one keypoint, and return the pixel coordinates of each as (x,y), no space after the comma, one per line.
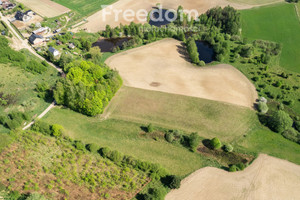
(87,87)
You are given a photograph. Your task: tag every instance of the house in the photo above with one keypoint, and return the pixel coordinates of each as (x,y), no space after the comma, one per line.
(71,46)
(41,30)
(29,13)
(36,39)
(22,16)
(53,51)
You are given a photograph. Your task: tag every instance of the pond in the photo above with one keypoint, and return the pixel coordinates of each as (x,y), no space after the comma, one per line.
(108,44)
(161,17)
(206,52)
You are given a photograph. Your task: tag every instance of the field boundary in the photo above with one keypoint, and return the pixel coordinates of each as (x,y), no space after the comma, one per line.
(297,12)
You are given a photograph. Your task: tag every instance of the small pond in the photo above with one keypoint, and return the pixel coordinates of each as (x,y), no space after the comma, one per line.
(206,52)
(161,17)
(107,44)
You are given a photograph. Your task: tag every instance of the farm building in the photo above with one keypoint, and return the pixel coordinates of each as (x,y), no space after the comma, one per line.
(22,16)
(7,5)
(36,39)
(41,30)
(53,51)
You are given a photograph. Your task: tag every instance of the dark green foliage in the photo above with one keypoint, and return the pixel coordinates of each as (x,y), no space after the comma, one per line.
(228,19)
(280,121)
(43,90)
(237,167)
(155,194)
(35,67)
(87,87)
(79,145)
(42,127)
(104,152)
(92,147)
(233,168)
(215,143)
(174,182)
(14,120)
(194,140)
(169,137)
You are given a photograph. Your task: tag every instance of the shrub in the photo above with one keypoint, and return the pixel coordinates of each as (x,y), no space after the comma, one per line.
(194,140)
(291,134)
(233,168)
(92,148)
(57,130)
(169,137)
(280,121)
(174,182)
(42,127)
(104,152)
(79,145)
(228,148)
(263,107)
(215,143)
(115,156)
(155,194)
(201,63)
(150,128)
(35,196)
(241,166)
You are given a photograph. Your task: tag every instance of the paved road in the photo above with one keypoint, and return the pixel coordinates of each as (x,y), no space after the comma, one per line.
(25,44)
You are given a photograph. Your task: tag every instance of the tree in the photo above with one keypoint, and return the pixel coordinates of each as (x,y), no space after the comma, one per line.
(57,130)
(215,143)
(174,182)
(194,140)
(280,121)
(263,107)
(92,148)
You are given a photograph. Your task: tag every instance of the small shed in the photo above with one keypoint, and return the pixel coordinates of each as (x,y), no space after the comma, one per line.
(53,51)
(36,39)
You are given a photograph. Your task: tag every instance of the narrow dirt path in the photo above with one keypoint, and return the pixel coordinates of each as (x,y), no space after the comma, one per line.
(297,12)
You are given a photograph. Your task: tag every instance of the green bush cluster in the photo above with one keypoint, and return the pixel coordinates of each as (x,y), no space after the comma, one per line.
(190,141)
(237,167)
(87,87)
(280,121)
(215,143)
(14,120)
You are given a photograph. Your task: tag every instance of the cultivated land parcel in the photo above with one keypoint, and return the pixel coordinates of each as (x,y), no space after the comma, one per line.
(278,23)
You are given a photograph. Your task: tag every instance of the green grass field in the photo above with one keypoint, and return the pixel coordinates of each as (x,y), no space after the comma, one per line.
(21,84)
(277,23)
(86,7)
(254,2)
(208,118)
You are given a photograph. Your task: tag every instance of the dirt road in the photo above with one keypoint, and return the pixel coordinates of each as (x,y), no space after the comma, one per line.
(162,66)
(266,178)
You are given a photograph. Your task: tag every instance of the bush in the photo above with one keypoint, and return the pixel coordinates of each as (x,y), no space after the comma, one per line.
(115,156)
(292,134)
(201,63)
(263,107)
(150,128)
(57,130)
(155,194)
(215,143)
(280,121)
(35,196)
(104,152)
(174,182)
(42,127)
(241,166)
(169,137)
(92,148)
(194,140)
(228,148)
(79,145)
(233,168)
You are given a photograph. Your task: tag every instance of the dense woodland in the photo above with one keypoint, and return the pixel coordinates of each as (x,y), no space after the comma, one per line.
(87,87)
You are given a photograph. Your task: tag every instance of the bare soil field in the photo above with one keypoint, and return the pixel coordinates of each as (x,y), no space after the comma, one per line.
(45,8)
(266,178)
(163,66)
(97,22)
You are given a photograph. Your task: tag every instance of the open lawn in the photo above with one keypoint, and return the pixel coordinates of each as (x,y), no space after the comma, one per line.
(208,118)
(256,2)
(86,7)
(21,85)
(277,23)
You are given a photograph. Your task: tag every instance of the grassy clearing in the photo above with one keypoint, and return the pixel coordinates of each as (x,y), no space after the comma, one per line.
(5,140)
(21,85)
(262,140)
(125,137)
(255,2)
(86,7)
(277,23)
(208,118)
